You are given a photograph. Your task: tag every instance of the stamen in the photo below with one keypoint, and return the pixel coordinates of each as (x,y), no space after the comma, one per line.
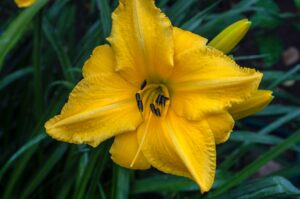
(159,99)
(139,102)
(137,97)
(153,95)
(142,141)
(140,105)
(164,99)
(144,83)
(152,107)
(157,112)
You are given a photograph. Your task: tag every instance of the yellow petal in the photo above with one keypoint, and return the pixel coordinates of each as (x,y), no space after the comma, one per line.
(207,81)
(101,61)
(231,36)
(24,3)
(142,39)
(221,125)
(185,41)
(124,149)
(181,147)
(98,108)
(259,100)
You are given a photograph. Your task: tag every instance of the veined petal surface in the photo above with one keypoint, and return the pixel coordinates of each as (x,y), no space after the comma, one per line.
(102,61)
(142,39)
(221,125)
(125,148)
(206,81)
(185,41)
(98,108)
(177,146)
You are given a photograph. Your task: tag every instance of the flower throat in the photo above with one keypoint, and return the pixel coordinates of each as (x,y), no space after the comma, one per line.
(154,98)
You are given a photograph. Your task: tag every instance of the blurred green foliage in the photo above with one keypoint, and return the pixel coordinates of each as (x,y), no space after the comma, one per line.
(42,50)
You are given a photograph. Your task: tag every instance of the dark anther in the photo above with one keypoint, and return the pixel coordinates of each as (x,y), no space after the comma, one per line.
(140,105)
(157,112)
(152,107)
(163,100)
(137,97)
(144,83)
(159,99)
(166,98)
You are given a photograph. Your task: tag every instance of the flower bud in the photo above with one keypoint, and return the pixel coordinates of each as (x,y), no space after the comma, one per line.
(230,36)
(24,3)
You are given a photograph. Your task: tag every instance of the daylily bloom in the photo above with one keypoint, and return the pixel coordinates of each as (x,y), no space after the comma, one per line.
(162,93)
(24,3)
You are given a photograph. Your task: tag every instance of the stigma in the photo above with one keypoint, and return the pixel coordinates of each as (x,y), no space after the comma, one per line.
(152,98)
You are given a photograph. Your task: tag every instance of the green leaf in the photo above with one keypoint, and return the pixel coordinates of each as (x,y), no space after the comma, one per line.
(87,173)
(251,137)
(263,188)
(194,22)
(271,45)
(289,171)
(171,183)
(88,42)
(250,57)
(44,170)
(101,165)
(59,83)
(215,23)
(16,29)
(276,109)
(179,8)
(245,136)
(101,191)
(254,166)
(22,150)
(272,75)
(283,94)
(297,3)
(279,122)
(36,60)
(105,14)
(284,77)
(266,15)
(121,182)
(238,152)
(7,80)
(163,183)
(56,44)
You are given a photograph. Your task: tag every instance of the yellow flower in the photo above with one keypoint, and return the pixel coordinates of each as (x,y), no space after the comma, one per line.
(161,92)
(24,3)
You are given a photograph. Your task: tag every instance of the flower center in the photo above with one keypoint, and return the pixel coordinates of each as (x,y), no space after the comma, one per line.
(152,98)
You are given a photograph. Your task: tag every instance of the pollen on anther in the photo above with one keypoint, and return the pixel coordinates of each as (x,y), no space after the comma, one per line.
(152,107)
(157,112)
(163,100)
(137,96)
(144,83)
(140,105)
(159,99)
